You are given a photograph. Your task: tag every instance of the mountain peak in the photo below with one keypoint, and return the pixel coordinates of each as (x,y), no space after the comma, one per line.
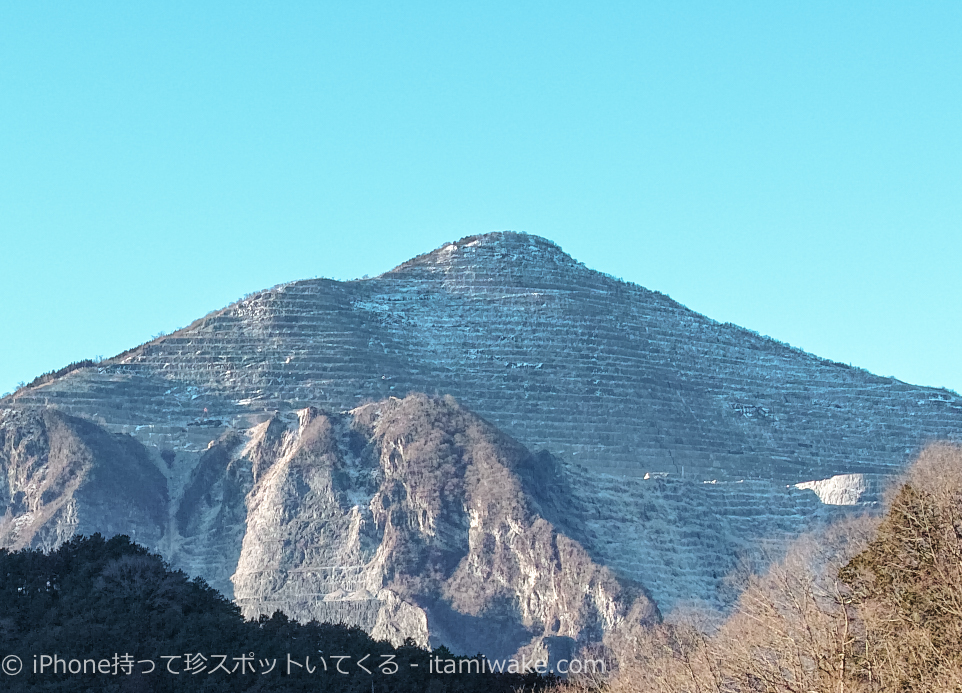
(499,247)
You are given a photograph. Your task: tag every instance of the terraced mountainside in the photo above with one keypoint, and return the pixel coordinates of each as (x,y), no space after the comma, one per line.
(638,400)
(613,376)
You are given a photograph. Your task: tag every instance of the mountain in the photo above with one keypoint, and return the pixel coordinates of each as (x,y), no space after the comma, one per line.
(393,516)
(637,401)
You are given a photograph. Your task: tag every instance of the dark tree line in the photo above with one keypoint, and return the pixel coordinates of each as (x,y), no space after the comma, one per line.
(112,607)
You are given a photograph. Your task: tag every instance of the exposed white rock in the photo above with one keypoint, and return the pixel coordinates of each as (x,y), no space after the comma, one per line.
(841,489)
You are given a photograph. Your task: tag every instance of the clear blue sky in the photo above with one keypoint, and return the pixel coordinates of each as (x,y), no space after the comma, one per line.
(793,167)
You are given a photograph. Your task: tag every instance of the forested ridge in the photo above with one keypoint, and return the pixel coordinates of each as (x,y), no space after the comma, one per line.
(129,623)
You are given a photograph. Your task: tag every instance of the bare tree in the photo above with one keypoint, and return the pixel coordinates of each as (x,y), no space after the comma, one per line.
(871,605)
(907,584)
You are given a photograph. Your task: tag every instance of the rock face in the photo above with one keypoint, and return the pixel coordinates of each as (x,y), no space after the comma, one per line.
(405,517)
(841,489)
(64,475)
(410,513)
(638,400)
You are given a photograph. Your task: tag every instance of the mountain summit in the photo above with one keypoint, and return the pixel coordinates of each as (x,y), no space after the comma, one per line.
(613,376)
(636,400)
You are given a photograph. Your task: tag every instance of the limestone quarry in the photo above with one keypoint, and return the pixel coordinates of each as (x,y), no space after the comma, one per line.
(588,452)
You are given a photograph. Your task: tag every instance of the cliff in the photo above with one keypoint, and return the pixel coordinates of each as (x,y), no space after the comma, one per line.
(405,517)
(63,475)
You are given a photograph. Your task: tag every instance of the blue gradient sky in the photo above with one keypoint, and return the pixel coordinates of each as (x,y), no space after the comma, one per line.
(795,168)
